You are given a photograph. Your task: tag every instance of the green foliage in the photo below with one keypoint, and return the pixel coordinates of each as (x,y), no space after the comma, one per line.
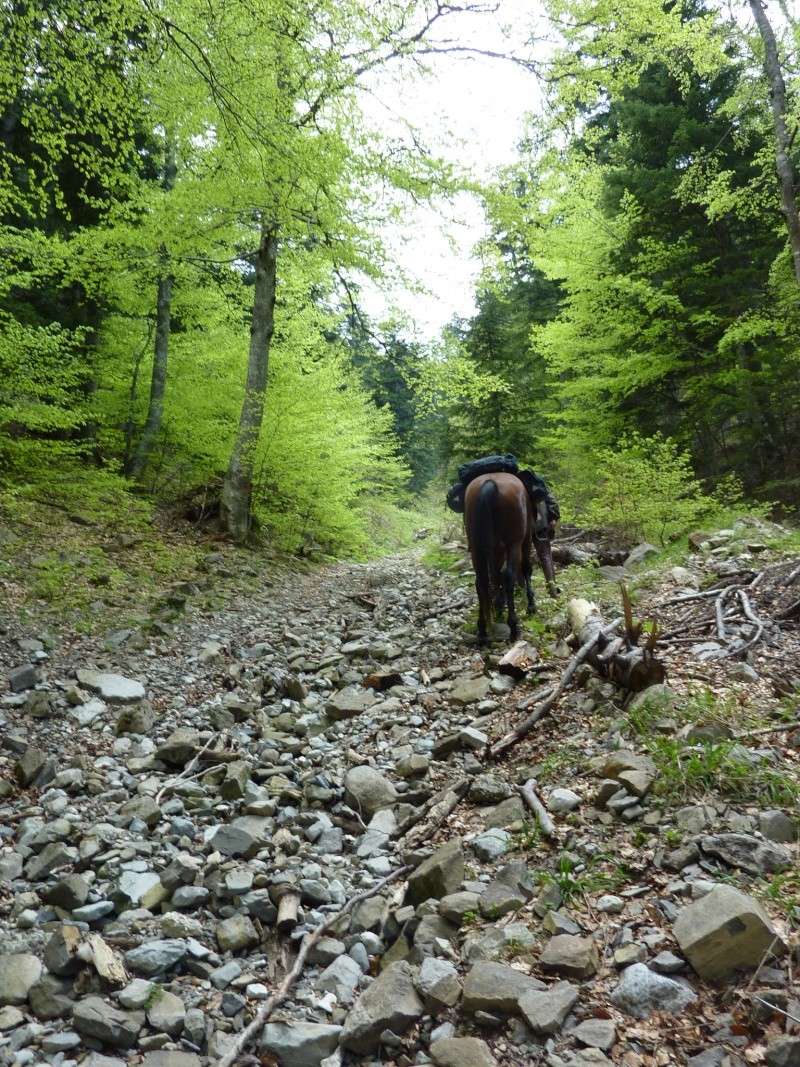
(695,770)
(647,489)
(575,880)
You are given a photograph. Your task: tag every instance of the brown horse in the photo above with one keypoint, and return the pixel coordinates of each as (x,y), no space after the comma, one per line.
(500,521)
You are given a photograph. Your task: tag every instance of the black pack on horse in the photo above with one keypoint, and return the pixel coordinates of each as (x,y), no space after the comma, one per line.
(504,518)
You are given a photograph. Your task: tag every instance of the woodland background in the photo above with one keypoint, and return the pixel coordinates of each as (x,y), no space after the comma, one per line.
(190,200)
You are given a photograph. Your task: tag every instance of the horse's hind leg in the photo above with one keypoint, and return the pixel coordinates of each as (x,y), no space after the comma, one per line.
(510,575)
(482,636)
(527,572)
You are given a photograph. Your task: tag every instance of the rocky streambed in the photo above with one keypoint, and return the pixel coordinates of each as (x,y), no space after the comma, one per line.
(181,804)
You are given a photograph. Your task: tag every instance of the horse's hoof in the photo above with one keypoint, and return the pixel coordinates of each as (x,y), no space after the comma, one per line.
(553,590)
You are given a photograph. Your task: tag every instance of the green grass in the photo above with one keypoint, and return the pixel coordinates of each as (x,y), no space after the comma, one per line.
(437,558)
(563,759)
(782,890)
(593,879)
(686,771)
(528,838)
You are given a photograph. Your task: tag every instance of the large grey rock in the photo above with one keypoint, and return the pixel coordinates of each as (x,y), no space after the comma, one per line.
(496,987)
(438,984)
(576,957)
(244,836)
(469,691)
(492,844)
(455,906)
(18,972)
(545,1010)
(341,977)
(462,1052)
(22,678)
(52,856)
(596,1033)
(639,553)
(785,1052)
(236,933)
(180,747)
(778,826)
(300,1044)
(747,853)
(170,1058)
(167,1013)
(724,931)
(94,1017)
(642,991)
(367,790)
(562,800)
(139,889)
(349,702)
(439,875)
(51,997)
(68,893)
(156,957)
(390,1003)
(114,688)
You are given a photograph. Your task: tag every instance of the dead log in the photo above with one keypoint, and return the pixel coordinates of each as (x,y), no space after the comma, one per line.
(621,660)
(531,798)
(518,660)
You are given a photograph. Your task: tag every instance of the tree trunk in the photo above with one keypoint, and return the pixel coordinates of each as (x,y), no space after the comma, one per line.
(158,380)
(783,162)
(237,487)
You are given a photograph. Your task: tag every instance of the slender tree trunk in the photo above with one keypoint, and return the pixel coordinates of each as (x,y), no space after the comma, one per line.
(158,381)
(783,162)
(237,487)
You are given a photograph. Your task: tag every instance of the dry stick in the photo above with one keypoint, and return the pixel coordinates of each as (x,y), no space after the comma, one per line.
(761,730)
(751,615)
(528,794)
(277,998)
(187,770)
(527,725)
(719,613)
(775,1007)
(793,577)
(438,811)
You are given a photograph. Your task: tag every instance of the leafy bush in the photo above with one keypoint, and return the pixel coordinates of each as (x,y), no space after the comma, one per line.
(647,490)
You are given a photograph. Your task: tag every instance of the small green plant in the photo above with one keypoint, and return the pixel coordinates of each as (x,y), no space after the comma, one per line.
(514,948)
(694,770)
(470,919)
(673,837)
(573,883)
(155,994)
(784,891)
(528,838)
(557,763)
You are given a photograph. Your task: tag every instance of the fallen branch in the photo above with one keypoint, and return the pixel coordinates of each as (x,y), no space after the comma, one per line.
(186,773)
(277,998)
(528,794)
(761,730)
(434,813)
(752,617)
(527,725)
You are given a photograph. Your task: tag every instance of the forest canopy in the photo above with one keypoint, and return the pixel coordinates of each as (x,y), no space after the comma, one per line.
(190,201)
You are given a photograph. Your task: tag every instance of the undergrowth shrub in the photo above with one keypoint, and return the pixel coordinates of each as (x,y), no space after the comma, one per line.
(647,490)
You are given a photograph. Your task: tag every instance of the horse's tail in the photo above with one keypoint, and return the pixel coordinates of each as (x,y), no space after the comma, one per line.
(483,559)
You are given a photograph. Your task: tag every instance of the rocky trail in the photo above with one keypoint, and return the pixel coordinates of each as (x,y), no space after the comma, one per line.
(183,803)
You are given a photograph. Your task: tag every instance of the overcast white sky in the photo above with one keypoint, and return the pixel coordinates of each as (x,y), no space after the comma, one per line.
(471,110)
